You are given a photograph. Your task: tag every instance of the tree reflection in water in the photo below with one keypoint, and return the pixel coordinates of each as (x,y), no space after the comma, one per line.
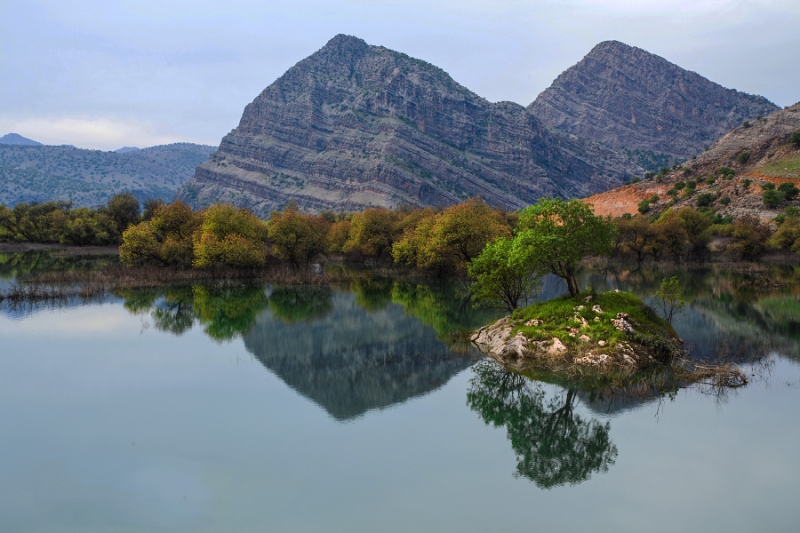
(226,312)
(554,444)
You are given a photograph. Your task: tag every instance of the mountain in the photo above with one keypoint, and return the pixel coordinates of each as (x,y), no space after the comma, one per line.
(354,126)
(14,138)
(126,149)
(760,151)
(91,177)
(636,101)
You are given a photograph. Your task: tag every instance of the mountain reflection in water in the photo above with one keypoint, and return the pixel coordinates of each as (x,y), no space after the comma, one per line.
(350,350)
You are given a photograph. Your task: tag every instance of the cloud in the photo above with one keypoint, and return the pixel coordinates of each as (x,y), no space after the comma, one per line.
(96,133)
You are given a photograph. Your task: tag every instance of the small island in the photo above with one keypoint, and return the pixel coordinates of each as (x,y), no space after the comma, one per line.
(607,331)
(605,339)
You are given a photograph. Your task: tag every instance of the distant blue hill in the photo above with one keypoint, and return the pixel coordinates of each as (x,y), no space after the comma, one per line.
(126,149)
(14,138)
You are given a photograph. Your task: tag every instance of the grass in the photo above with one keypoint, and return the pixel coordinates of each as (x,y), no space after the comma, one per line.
(787,168)
(558,319)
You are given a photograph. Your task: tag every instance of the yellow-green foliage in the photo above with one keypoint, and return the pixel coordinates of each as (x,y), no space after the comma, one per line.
(230,236)
(451,238)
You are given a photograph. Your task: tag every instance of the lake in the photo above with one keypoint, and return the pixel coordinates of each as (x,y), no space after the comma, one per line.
(236,407)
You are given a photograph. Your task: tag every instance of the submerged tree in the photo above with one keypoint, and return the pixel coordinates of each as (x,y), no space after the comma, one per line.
(553,443)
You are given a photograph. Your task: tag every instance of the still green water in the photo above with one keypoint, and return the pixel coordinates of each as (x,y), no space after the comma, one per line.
(360,408)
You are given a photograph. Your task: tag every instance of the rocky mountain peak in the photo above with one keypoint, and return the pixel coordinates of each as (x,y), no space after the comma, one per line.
(631,99)
(355,125)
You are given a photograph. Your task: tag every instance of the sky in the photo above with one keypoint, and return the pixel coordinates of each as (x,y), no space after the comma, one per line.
(112,73)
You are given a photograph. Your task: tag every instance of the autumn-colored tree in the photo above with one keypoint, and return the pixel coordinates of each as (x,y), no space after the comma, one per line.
(462,231)
(415,229)
(372,232)
(636,236)
(171,229)
(297,237)
(750,238)
(671,237)
(451,238)
(230,236)
(788,235)
(698,234)
(338,234)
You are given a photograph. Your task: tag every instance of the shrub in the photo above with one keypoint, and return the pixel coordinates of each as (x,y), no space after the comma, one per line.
(644,206)
(672,192)
(711,180)
(746,182)
(726,172)
(680,185)
(743,157)
(649,175)
(705,199)
(746,124)
(691,185)
(789,190)
(654,199)
(635,180)
(795,139)
(772,198)
(725,200)
(768,186)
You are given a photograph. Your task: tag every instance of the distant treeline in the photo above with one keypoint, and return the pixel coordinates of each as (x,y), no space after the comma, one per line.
(438,240)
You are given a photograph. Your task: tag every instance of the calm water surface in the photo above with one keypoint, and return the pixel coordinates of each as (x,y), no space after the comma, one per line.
(251,408)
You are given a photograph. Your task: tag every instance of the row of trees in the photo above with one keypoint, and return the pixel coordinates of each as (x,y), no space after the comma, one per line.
(60,222)
(440,240)
(687,234)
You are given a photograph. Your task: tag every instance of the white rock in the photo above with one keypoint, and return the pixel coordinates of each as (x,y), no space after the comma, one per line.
(601,343)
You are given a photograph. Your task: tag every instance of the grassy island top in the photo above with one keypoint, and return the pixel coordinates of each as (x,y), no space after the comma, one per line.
(593,316)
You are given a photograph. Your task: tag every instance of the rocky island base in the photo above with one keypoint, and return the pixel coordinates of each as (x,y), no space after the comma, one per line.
(612,334)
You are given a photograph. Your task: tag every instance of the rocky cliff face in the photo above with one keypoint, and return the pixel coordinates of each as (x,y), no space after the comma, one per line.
(631,99)
(355,125)
(759,151)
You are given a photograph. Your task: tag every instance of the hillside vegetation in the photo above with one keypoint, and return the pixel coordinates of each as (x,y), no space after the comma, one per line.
(37,174)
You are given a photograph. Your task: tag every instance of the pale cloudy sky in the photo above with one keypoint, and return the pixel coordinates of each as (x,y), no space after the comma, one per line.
(107,73)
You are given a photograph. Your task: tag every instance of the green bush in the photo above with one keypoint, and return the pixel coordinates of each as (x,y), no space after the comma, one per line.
(680,185)
(789,190)
(768,186)
(711,180)
(743,157)
(705,199)
(691,185)
(795,139)
(654,199)
(672,192)
(746,182)
(726,172)
(725,200)
(644,206)
(772,198)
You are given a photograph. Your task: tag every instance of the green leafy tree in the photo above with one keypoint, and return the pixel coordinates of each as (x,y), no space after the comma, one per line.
(555,235)
(503,276)
(669,299)
(124,210)
(789,190)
